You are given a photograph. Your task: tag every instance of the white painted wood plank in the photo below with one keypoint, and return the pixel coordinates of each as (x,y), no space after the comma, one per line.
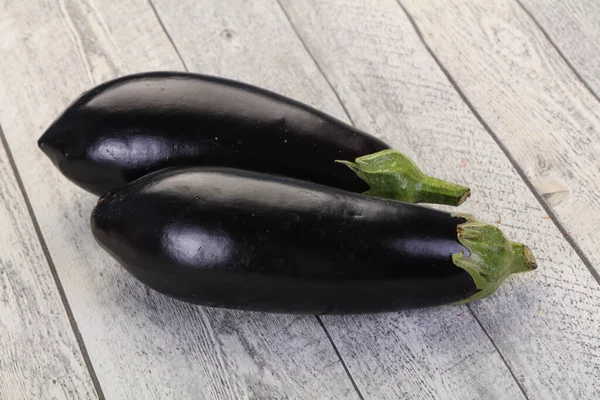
(142,344)
(530,98)
(249,41)
(39,355)
(422,354)
(545,323)
(573,26)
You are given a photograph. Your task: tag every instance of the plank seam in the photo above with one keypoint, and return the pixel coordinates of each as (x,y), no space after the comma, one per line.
(499,353)
(316,63)
(560,53)
(347,114)
(168,35)
(504,150)
(553,217)
(340,357)
(53,271)
(341,103)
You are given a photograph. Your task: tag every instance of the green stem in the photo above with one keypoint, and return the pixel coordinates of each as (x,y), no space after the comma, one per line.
(523,258)
(492,256)
(391,174)
(437,191)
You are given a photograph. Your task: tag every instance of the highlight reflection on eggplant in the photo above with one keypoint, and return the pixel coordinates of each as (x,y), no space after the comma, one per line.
(128,127)
(238,239)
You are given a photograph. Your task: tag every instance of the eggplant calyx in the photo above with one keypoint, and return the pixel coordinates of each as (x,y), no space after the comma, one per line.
(392,175)
(492,258)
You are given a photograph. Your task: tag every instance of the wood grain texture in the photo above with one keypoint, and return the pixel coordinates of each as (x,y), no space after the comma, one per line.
(544,323)
(413,355)
(39,355)
(530,98)
(261,48)
(142,344)
(574,27)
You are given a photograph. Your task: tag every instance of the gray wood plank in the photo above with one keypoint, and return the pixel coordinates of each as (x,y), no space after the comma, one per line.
(39,354)
(142,344)
(544,323)
(574,27)
(422,354)
(532,101)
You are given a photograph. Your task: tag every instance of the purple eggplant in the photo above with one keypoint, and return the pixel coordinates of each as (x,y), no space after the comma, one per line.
(240,239)
(126,128)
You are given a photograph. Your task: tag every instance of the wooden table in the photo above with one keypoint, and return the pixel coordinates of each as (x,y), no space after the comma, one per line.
(501,95)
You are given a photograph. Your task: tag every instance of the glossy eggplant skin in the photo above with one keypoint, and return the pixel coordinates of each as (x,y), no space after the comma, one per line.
(238,239)
(128,127)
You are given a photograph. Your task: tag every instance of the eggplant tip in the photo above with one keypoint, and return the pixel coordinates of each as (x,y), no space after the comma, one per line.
(42,142)
(46,147)
(45,142)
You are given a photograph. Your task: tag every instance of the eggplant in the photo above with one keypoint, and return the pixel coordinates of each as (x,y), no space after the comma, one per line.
(126,128)
(224,237)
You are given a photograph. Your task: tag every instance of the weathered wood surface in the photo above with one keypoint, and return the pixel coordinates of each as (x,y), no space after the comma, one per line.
(403,355)
(530,98)
(142,345)
(544,323)
(537,338)
(39,354)
(373,357)
(573,26)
